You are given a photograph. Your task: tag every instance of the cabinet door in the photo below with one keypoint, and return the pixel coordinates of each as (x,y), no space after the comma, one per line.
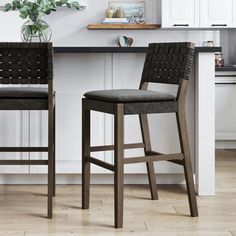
(74,75)
(14,133)
(234,14)
(180,13)
(225,113)
(216,13)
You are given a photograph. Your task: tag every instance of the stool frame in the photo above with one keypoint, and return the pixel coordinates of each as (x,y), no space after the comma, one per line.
(27,64)
(119,110)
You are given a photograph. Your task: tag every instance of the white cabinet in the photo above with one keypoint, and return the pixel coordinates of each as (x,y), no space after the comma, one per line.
(234,14)
(217,13)
(180,13)
(225,113)
(198,14)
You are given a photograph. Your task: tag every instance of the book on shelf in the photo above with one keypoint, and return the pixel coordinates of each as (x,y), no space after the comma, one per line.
(115,21)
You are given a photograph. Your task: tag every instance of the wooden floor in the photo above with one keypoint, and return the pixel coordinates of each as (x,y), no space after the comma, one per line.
(23,209)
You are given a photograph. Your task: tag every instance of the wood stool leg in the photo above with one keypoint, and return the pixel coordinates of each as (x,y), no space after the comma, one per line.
(183,134)
(150,165)
(85,156)
(119,165)
(50,162)
(54,151)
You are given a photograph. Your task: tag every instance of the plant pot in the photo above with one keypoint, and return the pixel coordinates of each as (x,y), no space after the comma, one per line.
(36,31)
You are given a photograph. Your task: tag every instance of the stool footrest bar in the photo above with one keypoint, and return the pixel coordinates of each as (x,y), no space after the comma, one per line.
(100,163)
(23,162)
(178,162)
(165,157)
(111,147)
(23,149)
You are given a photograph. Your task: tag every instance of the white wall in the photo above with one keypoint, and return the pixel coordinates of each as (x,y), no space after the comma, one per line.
(69,27)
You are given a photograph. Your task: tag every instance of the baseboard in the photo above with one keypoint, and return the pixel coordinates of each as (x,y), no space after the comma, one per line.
(95,179)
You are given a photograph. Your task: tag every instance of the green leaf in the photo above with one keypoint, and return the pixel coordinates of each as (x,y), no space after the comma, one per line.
(77,5)
(7,7)
(64,1)
(59,4)
(17,4)
(37,8)
(47,12)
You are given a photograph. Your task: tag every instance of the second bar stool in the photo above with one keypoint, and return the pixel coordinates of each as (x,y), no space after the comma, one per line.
(169,63)
(22,66)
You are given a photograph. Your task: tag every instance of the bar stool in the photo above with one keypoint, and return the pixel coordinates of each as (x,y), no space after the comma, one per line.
(169,63)
(28,64)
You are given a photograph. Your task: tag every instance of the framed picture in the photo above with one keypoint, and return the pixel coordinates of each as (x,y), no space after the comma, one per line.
(132,9)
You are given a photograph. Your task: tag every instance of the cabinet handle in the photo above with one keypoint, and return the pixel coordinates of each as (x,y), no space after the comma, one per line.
(180,25)
(215,25)
(225,75)
(230,83)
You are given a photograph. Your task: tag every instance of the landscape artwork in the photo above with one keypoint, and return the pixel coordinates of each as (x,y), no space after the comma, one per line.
(132,9)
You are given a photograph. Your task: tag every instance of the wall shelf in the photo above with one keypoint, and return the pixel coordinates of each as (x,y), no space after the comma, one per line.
(123,26)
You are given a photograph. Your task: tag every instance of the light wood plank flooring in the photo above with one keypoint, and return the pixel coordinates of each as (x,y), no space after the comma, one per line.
(23,209)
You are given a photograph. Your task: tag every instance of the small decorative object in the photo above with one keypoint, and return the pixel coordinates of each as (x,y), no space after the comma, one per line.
(208,43)
(109,13)
(133,10)
(120,13)
(124,41)
(35,29)
(219,59)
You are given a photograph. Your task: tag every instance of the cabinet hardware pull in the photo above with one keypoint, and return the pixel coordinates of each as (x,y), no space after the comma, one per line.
(231,83)
(180,24)
(215,25)
(225,75)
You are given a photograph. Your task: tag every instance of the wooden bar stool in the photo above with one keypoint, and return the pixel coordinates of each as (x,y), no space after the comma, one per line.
(169,63)
(28,64)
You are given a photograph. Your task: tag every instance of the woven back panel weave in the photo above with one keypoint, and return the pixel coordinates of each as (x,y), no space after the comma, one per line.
(25,63)
(168,62)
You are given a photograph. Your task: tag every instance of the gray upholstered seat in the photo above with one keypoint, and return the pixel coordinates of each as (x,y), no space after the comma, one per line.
(18,98)
(19,92)
(129,96)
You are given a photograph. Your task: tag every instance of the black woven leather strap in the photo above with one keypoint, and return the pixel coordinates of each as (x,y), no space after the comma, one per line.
(168,62)
(25,63)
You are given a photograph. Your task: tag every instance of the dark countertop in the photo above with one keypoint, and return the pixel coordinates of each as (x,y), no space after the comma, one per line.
(226,68)
(75,49)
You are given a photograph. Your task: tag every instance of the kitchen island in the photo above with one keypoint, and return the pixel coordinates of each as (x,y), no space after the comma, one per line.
(81,69)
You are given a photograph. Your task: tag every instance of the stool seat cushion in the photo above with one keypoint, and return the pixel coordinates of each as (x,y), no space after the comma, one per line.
(129,96)
(19,92)
(23,98)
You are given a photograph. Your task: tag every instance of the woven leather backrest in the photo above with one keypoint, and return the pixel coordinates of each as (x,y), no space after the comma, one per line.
(25,63)
(168,62)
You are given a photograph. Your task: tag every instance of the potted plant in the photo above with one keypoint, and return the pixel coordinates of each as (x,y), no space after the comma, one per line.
(35,29)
